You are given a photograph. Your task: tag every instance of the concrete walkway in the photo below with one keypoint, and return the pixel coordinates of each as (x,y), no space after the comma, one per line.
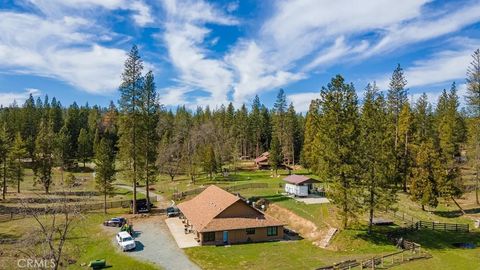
(177,230)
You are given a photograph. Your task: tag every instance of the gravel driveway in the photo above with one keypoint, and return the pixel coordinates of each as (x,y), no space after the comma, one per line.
(155,244)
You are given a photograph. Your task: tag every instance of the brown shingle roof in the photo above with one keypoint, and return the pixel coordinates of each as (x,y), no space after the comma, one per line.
(235,223)
(202,211)
(299,179)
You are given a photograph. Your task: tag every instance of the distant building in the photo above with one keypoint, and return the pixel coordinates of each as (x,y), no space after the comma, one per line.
(262,160)
(299,185)
(218,217)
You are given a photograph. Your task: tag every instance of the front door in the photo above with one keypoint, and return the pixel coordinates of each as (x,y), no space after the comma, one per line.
(225,237)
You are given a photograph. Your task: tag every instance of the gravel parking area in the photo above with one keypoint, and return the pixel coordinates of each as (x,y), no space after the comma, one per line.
(155,244)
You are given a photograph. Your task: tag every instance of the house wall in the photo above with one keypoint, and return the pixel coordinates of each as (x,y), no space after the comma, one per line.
(296,190)
(241,236)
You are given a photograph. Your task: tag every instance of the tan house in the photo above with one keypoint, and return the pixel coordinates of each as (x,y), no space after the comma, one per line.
(218,217)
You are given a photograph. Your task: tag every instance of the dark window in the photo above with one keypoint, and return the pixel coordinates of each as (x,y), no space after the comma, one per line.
(250,231)
(272,231)
(209,237)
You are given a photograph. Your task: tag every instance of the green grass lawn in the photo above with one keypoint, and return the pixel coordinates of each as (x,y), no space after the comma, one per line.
(88,241)
(275,255)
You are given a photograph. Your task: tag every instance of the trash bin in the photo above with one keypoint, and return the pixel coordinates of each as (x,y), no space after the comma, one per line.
(98,264)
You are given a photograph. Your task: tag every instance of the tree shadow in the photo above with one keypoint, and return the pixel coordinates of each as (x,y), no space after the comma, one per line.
(271,198)
(456,213)
(441,239)
(378,236)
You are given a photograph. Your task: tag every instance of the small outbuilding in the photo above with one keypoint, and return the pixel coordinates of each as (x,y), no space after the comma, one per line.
(299,185)
(262,160)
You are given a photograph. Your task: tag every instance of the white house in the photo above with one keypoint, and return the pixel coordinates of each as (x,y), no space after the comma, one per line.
(299,185)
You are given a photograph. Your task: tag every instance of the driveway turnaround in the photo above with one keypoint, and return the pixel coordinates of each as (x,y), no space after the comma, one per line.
(177,229)
(155,244)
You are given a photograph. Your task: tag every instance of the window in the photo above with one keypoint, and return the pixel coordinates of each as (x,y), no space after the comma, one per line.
(272,231)
(250,231)
(209,237)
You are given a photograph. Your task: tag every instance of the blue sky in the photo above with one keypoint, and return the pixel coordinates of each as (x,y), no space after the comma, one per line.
(214,52)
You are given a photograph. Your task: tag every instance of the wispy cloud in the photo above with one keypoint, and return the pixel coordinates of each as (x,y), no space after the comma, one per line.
(50,47)
(8,98)
(184,36)
(438,68)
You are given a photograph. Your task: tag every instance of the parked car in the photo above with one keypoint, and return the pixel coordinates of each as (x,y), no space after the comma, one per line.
(115,222)
(173,211)
(142,206)
(125,241)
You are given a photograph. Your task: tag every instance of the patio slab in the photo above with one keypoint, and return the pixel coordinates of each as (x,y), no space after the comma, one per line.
(312,199)
(177,230)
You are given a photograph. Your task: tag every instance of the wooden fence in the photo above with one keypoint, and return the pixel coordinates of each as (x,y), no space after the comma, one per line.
(413,224)
(17,213)
(383,261)
(181,195)
(439,226)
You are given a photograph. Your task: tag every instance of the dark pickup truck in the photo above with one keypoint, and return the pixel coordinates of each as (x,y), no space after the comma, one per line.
(142,206)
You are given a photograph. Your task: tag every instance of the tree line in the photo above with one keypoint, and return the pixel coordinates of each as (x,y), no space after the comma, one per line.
(369,151)
(366,149)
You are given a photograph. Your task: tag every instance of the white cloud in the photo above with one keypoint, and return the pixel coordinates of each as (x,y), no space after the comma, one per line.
(143,14)
(173,96)
(59,48)
(254,73)
(8,98)
(301,101)
(185,33)
(445,66)
(299,28)
(58,8)
(427,28)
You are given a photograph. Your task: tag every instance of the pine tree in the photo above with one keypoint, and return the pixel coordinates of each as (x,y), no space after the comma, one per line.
(275,158)
(84,143)
(5,146)
(30,120)
(376,154)
(396,97)
(149,110)
(129,130)
(104,170)
(279,122)
(310,130)
(255,120)
(426,175)
(17,153)
(44,147)
(209,161)
(405,134)
(338,137)
(473,101)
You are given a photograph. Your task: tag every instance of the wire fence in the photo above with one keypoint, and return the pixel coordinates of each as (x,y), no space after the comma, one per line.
(182,194)
(18,213)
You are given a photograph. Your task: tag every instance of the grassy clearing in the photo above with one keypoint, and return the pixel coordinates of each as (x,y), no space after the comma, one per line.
(88,241)
(276,255)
